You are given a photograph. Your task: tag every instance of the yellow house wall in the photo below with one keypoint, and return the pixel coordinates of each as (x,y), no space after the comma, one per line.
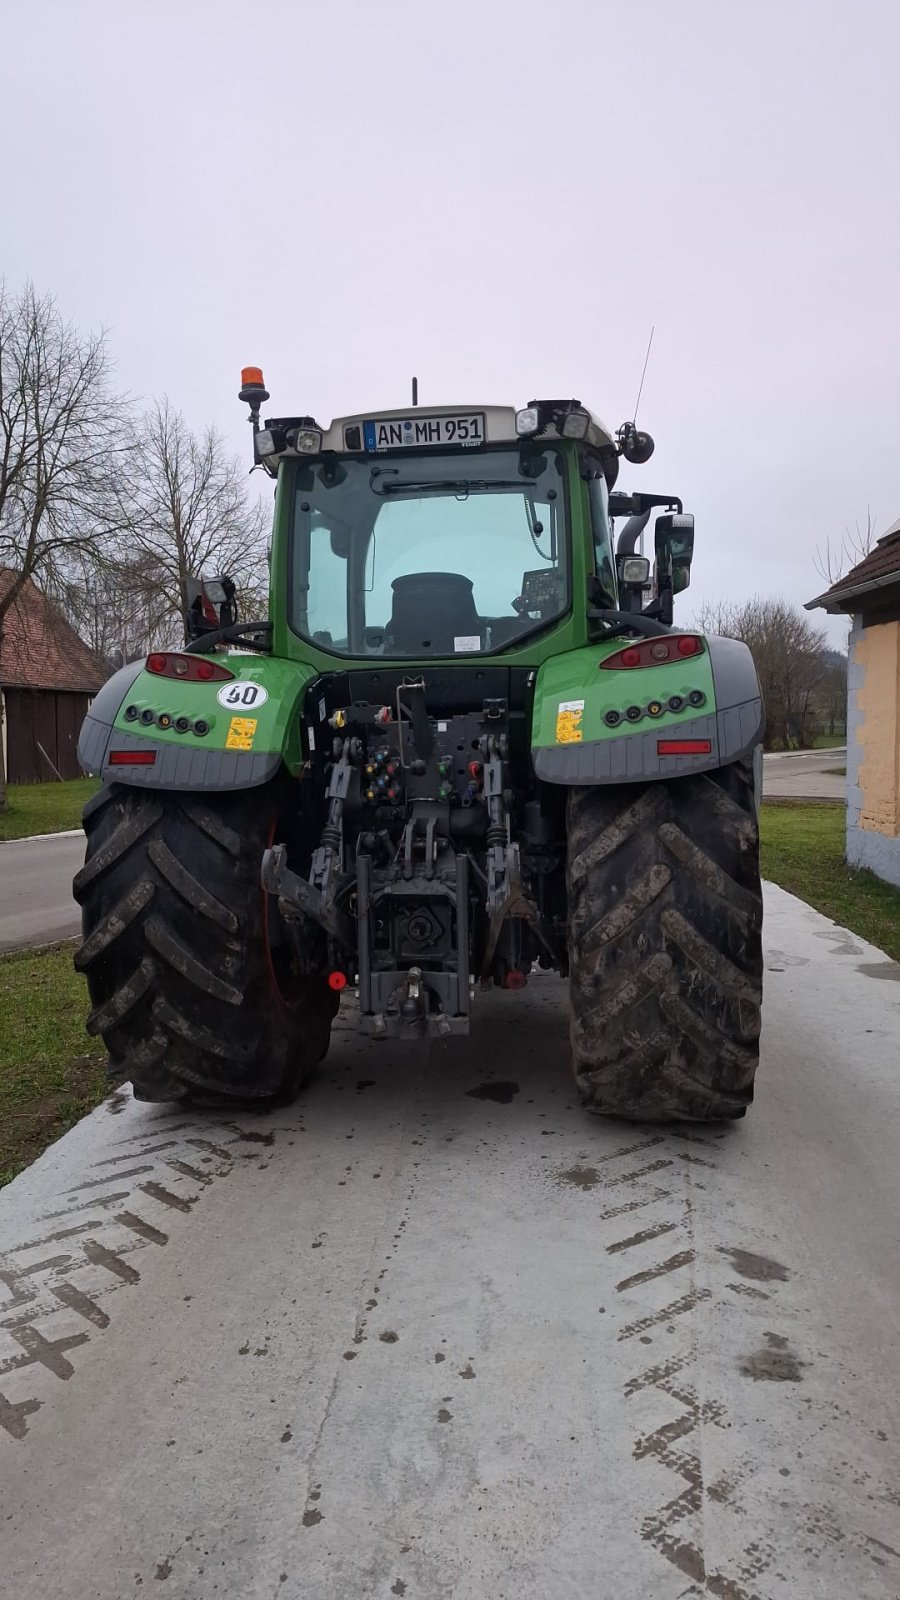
(876,655)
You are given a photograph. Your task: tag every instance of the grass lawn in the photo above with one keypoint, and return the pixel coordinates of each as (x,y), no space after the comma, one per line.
(829,741)
(802,849)
(51,1071)
(45,807)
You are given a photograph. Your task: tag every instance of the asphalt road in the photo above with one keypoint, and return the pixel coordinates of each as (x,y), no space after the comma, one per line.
(805,774)
(36,904)
(433,1332)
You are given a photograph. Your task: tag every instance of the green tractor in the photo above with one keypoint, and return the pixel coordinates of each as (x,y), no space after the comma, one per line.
(468,744)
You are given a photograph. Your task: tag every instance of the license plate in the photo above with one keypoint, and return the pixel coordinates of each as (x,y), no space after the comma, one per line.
(397,432)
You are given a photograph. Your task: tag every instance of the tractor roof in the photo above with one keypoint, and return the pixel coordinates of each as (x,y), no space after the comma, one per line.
(500,422)
(438,426)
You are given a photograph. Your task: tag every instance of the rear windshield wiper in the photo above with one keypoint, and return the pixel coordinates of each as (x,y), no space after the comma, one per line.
(456,486)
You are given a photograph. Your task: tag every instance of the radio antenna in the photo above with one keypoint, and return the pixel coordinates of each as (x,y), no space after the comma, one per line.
(643,374)
(415,391)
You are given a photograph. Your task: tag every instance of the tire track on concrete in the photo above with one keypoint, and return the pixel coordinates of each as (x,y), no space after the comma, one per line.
(54,1304)
(685,1285)
(675,1528)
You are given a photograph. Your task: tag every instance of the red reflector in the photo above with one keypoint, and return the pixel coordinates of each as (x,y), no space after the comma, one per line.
(515,980)
(131,758)
(683,747)
(337,981)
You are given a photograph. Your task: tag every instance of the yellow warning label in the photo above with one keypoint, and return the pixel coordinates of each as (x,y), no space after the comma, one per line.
(240,733)
(568,722)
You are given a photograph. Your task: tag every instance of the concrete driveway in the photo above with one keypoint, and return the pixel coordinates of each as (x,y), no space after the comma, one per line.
(36,904)
(432,1332)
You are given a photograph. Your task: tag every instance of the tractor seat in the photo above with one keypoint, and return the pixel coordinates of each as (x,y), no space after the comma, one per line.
(431,611)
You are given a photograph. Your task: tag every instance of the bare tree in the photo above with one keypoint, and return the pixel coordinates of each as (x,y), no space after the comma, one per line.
(184,510)
(791,659)
(116,608)
(832,561)
(60,443)
(832,693)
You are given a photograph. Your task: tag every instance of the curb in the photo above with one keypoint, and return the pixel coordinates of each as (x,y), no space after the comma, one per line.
(792,755)
(72,940)
(802,800)
(32,838)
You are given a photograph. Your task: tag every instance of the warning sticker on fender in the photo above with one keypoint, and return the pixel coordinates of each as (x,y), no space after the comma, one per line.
(240,733)
(568,722)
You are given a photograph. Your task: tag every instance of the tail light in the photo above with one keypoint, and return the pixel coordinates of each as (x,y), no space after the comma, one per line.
(656,652)
(193,669)
(684,747)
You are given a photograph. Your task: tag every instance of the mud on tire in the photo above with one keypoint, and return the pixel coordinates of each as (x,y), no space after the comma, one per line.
(184,988)
(665,947)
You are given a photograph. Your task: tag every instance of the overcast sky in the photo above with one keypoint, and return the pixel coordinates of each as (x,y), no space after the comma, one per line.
(501,196)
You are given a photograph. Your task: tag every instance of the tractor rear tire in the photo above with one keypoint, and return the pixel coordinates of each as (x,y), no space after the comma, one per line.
(190,998)
(665,946)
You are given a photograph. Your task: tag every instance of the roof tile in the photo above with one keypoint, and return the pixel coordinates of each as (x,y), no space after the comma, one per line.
(39,648)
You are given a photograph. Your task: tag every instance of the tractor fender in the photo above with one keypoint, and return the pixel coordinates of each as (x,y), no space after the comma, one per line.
(239,745)
(572,699)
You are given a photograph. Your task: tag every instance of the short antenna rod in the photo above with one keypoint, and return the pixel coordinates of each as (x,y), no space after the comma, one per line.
(415,391)
(643,374)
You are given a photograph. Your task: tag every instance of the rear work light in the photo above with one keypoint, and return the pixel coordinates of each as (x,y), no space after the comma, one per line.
(307,441)
(656,652)
(193,669)
(131,758)
(576,423)
(684,747)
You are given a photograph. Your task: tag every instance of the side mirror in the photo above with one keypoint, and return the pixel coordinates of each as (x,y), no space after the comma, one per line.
(674,540)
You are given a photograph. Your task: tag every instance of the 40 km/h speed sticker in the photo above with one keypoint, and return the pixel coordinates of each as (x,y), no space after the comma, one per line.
(242,695)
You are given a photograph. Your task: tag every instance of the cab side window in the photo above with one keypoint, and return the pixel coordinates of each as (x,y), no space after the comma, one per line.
(604,563)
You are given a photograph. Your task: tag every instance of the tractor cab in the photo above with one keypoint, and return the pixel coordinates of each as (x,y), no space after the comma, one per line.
(445,534)
(429,555)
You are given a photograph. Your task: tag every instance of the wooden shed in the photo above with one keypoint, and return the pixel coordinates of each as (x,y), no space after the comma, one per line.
(48,677)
